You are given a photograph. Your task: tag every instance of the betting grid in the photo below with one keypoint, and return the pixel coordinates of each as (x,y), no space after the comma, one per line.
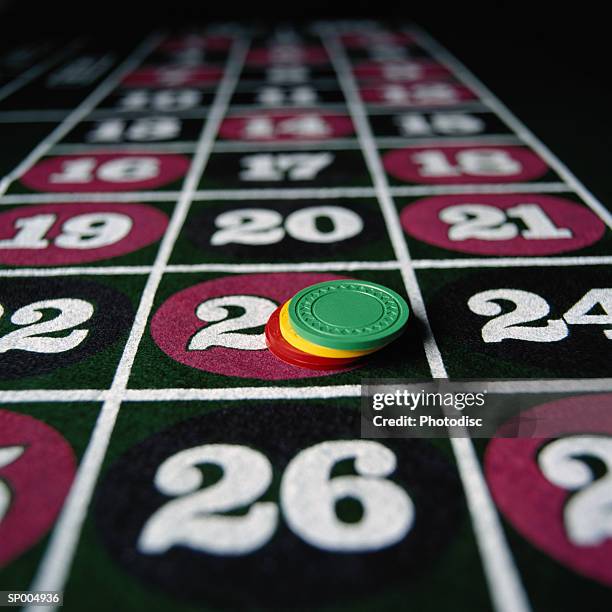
(397,149)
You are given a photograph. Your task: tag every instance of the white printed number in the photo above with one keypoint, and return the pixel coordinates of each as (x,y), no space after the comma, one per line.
(194,519)
(530,307)
(284,166)
(304,126)
(225,331)
(161,100)
(476,162)
(297,96)
(588,513)
(86,231)
(121,170)
(260,226)
(484,222)
(423,93)
(308,497)
(70,314)
(145,129)
(418,124)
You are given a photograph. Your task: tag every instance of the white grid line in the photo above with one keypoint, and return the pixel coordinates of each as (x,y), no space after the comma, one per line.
(505,586)
(37,69)
(511,262)
(55,566)
(352,144)
(239,393)
(21,396)
(314,266)
(62,198)
(366,138)
(374,108)
(576,385)
(432,190)
(94,98)
(291,193)
(308,266)
(347,144)
(197,112)
(71,148)
(466,458)
(74,271)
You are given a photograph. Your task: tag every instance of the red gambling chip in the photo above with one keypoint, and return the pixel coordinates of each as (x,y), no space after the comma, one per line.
(416,95)
(400,71)
(503,225)
(37,467)
(289,354)
(465,164)
(173,76)
(65,234)
(546,488)
(262,126)
(198,326)
(287,54)
(102,172)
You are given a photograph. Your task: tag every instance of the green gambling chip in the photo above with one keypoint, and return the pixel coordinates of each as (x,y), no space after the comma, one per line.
(348,314)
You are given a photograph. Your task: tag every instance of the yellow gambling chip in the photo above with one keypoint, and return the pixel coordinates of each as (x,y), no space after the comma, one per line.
(298,342)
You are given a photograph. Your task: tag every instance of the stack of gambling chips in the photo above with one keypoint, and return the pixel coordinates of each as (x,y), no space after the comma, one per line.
(335,325)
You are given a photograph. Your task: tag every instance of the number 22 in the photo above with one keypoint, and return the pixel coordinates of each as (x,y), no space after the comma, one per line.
(72,313)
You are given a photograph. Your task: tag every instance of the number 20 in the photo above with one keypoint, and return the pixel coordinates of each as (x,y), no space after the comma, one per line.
(260,226)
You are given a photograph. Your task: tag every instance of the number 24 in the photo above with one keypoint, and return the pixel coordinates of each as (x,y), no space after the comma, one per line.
(530,307)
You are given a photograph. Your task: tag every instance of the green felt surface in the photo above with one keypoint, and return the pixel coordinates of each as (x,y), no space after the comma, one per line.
(97,578)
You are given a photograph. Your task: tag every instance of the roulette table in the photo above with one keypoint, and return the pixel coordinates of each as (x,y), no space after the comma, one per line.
(162,195)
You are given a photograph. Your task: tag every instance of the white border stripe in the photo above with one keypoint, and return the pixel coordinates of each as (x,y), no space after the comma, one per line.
(575,385)
(322,266)
(125,147)
(366,138)
(505,585)
(90,270)
(464,75)
(294,193)
(34,71)
(314,266)
(239,393)
(511,262)
(52,395)
(432,190)
(391,142)
(55,566)
(63,198)
(86,106)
